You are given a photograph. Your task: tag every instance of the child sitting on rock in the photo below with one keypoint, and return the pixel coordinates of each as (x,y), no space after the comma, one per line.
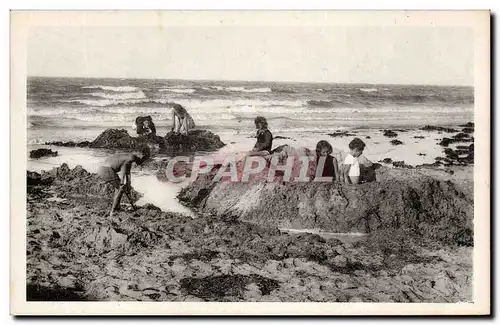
(357,168)
(264,142)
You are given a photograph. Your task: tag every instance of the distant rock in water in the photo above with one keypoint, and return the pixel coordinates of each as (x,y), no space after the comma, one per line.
(419,137)
(196,140)
(407,199)
(341,134)
(390,134)
(461,135)
(280,137)
(445,142)
(438,128)
(82,144)
(467,125)
(386,160)
(396,142)
(42,152)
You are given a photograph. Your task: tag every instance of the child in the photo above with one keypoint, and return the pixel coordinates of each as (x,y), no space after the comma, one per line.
(330,168)
(144,125)
(116,171)
(355,162)
(181,120)
(264,136)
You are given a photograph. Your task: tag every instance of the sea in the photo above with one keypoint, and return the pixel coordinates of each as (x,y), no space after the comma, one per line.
(80,108)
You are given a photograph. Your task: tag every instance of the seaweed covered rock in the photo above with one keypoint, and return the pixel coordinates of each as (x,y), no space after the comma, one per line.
(438,128)
(195,140)
(42,152)
(400,199)
(119,139)
(390,134)
(76,181)
(341,134)
(34,178)
(82,144)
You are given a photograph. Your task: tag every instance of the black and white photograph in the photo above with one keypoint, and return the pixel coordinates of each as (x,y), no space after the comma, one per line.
(235,157)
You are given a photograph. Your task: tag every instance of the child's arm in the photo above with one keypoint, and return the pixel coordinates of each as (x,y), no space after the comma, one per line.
(345,173)
(173,119)
(364,161)
(336,170)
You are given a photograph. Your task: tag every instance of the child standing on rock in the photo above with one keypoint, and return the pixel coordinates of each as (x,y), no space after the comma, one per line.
(356,165)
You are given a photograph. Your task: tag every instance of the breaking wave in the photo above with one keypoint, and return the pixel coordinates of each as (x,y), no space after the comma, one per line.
(368,90)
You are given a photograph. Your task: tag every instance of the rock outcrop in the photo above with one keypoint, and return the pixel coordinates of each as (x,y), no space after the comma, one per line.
(74,182)
(400,199)
(120,139)
(74,251)
(195,140)
(390,134)
(438,128)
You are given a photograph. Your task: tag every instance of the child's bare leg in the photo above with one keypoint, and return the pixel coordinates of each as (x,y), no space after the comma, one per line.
(116,200)
(354,179)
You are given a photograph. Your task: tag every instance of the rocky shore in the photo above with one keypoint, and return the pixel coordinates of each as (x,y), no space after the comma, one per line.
(195,140)
(75,252)
(42,152)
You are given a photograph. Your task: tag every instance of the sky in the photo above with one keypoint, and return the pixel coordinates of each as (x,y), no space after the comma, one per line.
(336,54)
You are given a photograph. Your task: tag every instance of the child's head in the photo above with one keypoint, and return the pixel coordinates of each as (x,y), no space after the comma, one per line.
(357,146)
(146,153)
(323,148)
(260,122)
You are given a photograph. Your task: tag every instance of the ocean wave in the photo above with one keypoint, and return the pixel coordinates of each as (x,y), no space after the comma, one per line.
(251,90)
(328,103)
(120,96)
(108,102)
(179,90)
(239,89)
(195,104)
(113,88)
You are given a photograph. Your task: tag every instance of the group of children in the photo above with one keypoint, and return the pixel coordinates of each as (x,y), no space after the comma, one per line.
(116,169)
(355,170)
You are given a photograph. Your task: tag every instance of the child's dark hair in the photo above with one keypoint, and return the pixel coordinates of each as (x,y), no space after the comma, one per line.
(323,144)
(357,143)
(261,119)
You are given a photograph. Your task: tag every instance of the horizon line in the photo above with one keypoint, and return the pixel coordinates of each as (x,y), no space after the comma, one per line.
(260,81)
